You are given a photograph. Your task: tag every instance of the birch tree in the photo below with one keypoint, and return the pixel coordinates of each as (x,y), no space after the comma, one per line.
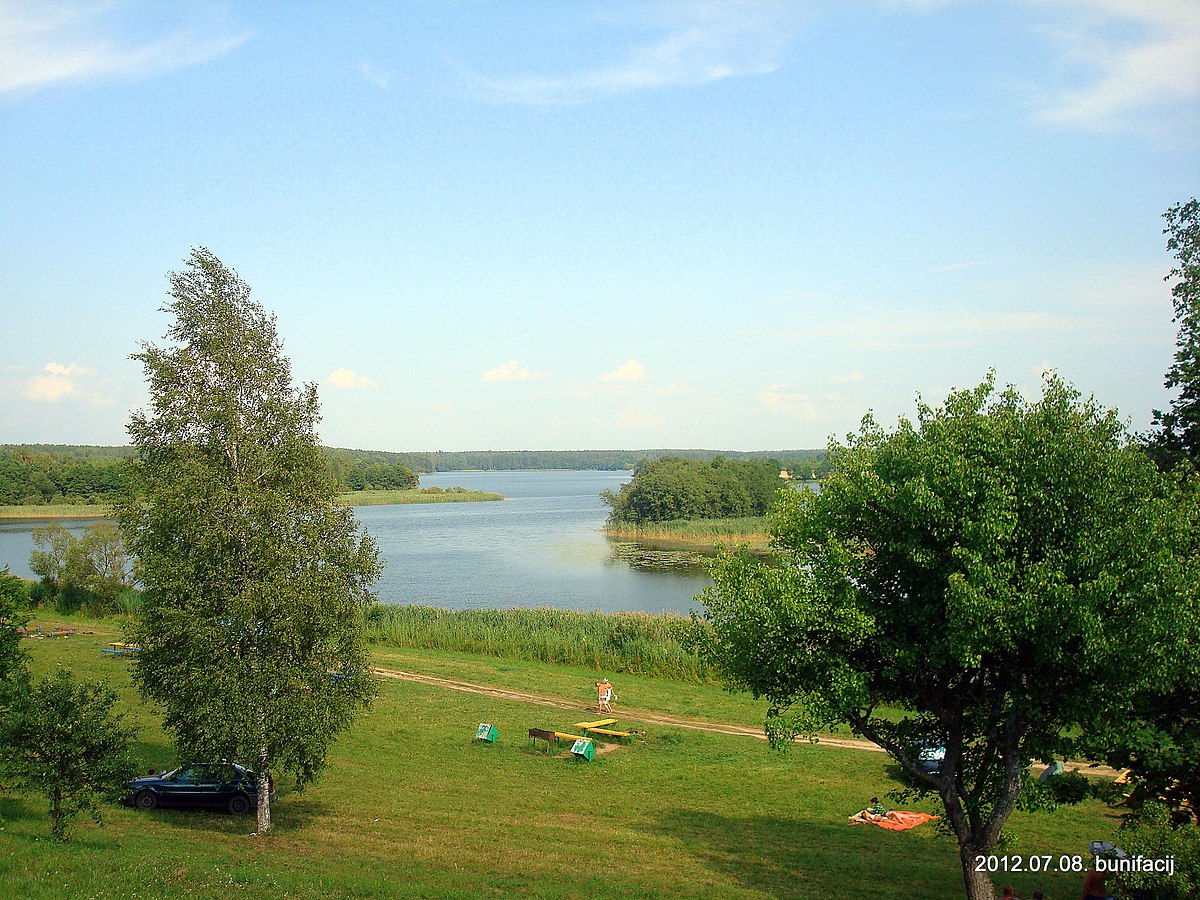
(256,585)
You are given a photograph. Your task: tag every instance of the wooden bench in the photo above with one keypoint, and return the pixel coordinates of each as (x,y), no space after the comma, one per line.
(563,736)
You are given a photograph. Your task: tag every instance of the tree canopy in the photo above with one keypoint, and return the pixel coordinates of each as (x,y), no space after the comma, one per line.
(59,737)
(999,571)
(1178,431)
(256,585)
(673,487)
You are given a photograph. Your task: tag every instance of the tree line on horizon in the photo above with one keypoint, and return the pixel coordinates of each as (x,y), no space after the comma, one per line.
(42,474)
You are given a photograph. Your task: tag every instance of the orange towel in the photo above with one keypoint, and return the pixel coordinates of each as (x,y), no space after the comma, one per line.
(899,820)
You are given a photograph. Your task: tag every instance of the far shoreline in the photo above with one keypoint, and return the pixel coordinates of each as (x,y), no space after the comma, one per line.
(355,498)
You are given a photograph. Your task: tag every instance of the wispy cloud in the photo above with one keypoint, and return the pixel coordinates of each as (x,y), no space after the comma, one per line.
(633,418)
(1135,54)
(696,43)
(349,380)
(954,267)
(784,400)
(888,330)
(514,371)
(630,370)
(47,43)
(381,78)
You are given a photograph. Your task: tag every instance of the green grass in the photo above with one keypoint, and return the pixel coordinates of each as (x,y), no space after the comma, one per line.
(410,806)
(414,495)
(752,530)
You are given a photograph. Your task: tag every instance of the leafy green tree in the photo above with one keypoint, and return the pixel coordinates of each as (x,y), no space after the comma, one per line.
(49,559)
(60,738)
(1178,433)
(13,600)
(1000,572)
(674,487)
(92,570)
(256,585)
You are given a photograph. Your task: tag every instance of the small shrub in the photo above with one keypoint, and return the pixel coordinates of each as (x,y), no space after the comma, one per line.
(1070,788)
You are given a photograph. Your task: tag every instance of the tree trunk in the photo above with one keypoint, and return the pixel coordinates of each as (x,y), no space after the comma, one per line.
(979,884)
(264,793)
(57,826)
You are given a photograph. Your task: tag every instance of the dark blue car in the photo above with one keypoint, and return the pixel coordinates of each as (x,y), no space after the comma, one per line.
(202,785)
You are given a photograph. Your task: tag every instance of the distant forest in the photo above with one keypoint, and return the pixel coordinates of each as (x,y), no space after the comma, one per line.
(38,474)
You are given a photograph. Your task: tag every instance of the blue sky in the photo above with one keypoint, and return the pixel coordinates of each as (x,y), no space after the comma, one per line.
(599,225)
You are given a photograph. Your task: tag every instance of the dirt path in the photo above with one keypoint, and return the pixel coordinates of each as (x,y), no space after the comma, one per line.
(635,714)
(651,718)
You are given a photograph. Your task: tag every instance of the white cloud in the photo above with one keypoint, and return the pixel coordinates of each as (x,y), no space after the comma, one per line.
(349,380)
(630,370)
(1137,54)
(848,378)
(59,383)
(514,371)
(782,400)
(632,417)
(698,43)
(377,76)
(45,43)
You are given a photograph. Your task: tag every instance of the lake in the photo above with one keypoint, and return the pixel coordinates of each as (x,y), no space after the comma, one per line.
(541,546)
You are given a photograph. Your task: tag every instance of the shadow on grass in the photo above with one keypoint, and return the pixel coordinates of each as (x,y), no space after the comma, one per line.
(791,857)
(295,812)
(19,809)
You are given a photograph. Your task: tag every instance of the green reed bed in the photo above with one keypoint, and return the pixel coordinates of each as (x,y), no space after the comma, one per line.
(664,646)
(415,495)
(755,530)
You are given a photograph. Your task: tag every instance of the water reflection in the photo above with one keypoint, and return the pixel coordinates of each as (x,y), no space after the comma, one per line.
(656,560)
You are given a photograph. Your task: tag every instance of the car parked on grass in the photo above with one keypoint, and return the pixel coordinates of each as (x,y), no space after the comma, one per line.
(221,785)
(930,756)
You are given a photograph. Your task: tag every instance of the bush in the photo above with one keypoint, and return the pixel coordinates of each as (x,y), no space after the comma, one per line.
(1070,788)
(40,593)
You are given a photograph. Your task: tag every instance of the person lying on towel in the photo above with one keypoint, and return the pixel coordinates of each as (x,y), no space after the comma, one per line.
(892,819)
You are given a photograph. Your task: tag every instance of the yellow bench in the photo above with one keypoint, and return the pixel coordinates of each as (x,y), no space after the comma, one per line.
(608,732)
(599,723)
(563,736)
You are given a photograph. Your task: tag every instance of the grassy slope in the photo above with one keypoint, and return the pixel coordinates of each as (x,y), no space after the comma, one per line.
(410,806)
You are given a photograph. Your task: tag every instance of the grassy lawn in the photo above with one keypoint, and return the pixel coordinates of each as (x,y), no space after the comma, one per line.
(411,806)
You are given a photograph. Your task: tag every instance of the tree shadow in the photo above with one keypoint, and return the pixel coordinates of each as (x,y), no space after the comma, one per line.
(293,813)
(789,857)
(19,809)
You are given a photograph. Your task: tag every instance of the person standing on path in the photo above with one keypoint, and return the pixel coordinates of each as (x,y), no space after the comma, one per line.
(604,696)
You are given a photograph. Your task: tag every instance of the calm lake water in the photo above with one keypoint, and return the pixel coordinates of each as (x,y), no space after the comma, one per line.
(539,547)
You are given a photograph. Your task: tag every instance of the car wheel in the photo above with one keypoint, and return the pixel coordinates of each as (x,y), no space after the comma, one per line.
(239,804)
(146,800)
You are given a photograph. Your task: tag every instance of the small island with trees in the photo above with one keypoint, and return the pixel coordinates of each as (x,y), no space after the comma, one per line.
(685,500)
